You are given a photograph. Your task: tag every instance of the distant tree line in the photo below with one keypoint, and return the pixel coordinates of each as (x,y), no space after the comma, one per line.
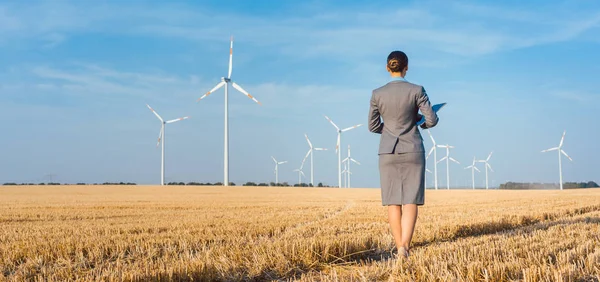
(545,186)
(272,184)
(56,183)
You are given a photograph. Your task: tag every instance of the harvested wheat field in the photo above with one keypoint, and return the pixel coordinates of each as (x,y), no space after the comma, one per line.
(115,233)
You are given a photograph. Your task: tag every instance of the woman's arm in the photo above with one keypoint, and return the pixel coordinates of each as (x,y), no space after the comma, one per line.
(431,118)
(375,124)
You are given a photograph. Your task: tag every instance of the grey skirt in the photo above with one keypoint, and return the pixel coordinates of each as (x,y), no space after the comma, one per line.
(402,178)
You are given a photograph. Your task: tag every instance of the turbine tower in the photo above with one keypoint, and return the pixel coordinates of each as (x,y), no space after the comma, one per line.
(310,151)
(277,169)
(473,169)
(338,148)
(225,81)
(447,158)
(487,165)
(435,162)
(161,137)
(347,161)
(560,150)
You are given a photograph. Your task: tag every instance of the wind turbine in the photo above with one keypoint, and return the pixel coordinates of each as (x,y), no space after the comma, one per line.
(560,150)
(347,161)
(435,162)
(310,151)
(337,147)
(300,174)
(225,81)
(277,169)
(447,158)
(473,169)
(487,165)
(161,137)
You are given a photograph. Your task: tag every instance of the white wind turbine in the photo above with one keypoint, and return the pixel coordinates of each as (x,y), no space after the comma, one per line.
(161,137)
(560,150)
(310,151)
(338,148)
(487,165)
(435,162)
(277,169)
(447,158)
(225,81)
(473,169)
(300,175)
(347,161)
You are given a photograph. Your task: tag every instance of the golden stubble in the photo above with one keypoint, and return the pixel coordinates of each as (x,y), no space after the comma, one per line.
(116,233)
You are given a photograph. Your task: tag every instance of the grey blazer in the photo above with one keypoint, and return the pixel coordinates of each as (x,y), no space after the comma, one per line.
(398,104)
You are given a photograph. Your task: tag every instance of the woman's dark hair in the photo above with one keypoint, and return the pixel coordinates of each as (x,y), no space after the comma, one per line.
(397,61)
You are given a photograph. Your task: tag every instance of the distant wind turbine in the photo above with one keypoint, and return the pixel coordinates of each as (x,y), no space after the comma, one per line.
(311,152)
(447,158)
(338,148)
(277,169)
(300,175)
(347,161)
(435,162)
(487,165)
(473,169)
(560,150)
(161,137)
(225,81)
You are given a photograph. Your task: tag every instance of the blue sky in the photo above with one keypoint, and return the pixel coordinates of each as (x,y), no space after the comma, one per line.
(75,77)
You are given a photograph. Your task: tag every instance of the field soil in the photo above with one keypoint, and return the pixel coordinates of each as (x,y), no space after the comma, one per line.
(183,233)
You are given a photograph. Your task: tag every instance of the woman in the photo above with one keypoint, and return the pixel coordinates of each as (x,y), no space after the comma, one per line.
(394,114)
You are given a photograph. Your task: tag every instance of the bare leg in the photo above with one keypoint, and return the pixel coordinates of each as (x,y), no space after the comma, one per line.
(409,220)
(395,219)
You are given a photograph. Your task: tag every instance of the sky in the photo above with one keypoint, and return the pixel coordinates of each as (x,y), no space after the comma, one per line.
(75,78)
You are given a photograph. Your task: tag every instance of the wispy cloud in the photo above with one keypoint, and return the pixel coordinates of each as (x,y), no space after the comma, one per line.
(577,96)
(353,32)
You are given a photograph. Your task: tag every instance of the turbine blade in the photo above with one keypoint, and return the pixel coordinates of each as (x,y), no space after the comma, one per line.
(159,136)
(477,169)
(305,157)
(301,172)
(212,90)
(239,88)
(452,159)
(431,136)
(430,152)
(442,146)
(177,119)
(336,127)
(355,161)
(427,170)
(230,58)
(489,166)
(274,159)
(320,149)
(352,127)
(337,146)
(562,139)
(442,159)
(551,149)
(564,153)
(469,167)
(308,140)
(284,162)
(155,113)
(489,156)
